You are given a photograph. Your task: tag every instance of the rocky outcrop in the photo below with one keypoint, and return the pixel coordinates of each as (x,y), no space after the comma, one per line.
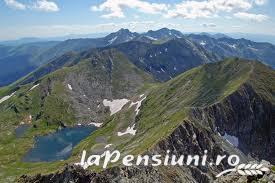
(247,116)
(75,174)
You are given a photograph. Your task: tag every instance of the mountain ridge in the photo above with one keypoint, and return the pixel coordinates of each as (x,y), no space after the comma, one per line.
(189,114)
(221,46)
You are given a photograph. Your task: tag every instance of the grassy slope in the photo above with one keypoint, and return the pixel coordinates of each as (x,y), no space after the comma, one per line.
(168,105)
(262,80)
(55,108)
(165,108)
(30,103)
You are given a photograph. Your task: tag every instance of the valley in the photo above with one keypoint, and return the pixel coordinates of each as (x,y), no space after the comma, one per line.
(139,94)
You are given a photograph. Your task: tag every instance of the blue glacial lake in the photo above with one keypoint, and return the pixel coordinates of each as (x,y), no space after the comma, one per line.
(58,145)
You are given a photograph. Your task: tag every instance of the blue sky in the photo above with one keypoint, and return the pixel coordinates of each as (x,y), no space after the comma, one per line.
(51,18)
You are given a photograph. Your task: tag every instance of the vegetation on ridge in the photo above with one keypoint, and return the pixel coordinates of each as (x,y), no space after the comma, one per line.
(167,105)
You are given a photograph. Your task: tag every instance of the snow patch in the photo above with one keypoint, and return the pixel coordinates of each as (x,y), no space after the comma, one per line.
(175,68)
(112,40)
(233,46)
(166,49)
(129,130)
(70,87)
(115,105)
(203,43)
(129,38)
(108,145)
(253,49)
(231,139)
(96,124)
(162,70)
(34,87)
(138,104)
(151,38)
(6,97)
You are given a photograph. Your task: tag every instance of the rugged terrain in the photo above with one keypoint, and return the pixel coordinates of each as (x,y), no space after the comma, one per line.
(225,46)
(155,49)
(196,111)
(65,97)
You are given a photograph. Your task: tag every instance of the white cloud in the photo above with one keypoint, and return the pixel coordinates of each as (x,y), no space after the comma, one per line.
(190,9)
(260,2)
(41,5)
(209,25)
(236,26)
(47,6)
(15,4)
(115,7)
(206,9)
(252,17)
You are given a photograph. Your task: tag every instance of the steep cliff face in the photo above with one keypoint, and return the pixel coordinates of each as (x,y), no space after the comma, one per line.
(248,117)
(191,139)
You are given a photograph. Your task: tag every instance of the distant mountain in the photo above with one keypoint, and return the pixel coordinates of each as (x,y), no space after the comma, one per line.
(219,35)
(163,33)
(163,61)
(254,37)
(242,48)
(166,60)
(33,55)
(185,52)
(121,36)
(21,41)
(17,61)
(27,40)
(212,35)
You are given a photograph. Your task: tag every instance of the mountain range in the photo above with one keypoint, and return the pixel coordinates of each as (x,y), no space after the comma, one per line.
(219,46)
(147,93)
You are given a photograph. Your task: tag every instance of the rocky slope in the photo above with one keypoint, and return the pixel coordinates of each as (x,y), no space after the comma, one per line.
(207,47)
(223,107)
(228,47)
(166,60)
(163,61)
